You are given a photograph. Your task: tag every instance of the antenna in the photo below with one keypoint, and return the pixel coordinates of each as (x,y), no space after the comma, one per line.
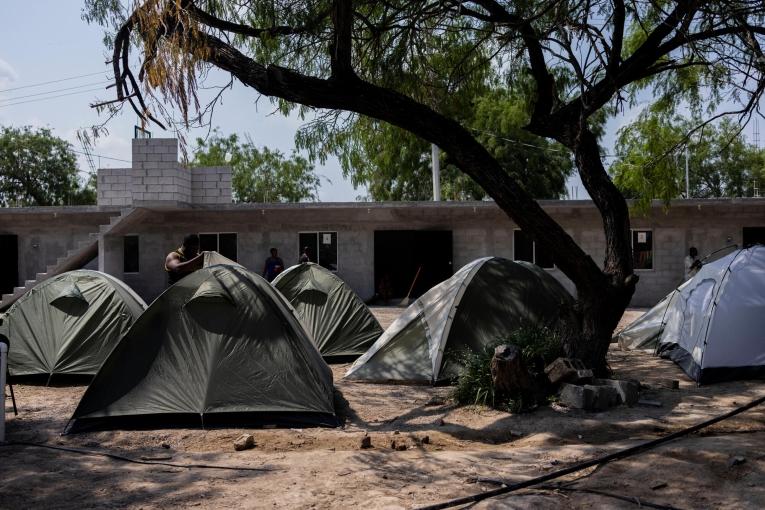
(756,133)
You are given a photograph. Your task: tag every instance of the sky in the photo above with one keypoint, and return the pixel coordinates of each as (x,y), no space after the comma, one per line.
(58,45)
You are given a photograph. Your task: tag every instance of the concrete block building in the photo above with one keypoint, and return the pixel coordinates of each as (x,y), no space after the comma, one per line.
(144,211)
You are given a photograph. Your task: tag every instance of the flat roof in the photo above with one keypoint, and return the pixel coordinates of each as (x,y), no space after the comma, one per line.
(547,204)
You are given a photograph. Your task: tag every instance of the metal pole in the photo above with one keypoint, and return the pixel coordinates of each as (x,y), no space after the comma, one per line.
(687,180)
(3,354)
(436,155)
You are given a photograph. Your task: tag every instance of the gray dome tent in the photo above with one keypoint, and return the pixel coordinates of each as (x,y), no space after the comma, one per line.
(219,346)
(339,321)
(713,326)
(645,331)
(484,301)
(68,324)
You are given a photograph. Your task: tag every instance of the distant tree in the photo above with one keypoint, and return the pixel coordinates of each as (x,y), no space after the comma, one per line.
(651,161)
(259,175)
(37,168)
(459,81)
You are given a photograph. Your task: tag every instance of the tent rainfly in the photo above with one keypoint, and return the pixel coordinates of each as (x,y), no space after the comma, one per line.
(484,301)
(339,321)
(219,346)
(715,328)
(644,333)
(68,324)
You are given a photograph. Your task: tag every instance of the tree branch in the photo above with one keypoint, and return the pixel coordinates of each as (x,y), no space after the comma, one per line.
(342,47)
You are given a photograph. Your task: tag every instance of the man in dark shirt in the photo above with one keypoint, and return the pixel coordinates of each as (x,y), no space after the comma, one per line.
(273,266)
(185,260)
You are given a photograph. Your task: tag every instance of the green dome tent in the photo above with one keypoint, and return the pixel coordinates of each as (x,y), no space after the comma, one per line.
(339,321)
(68,324)
(219,346)
(483,302)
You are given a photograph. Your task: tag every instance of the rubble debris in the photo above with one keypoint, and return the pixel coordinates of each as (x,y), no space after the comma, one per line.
(627,389)
(600,394)
(672,384)
(569,370)
(244,442)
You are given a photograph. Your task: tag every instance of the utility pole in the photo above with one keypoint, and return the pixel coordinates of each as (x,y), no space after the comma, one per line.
(436,156)
(687,180)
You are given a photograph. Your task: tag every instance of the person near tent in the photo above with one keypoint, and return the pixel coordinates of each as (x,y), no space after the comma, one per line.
(304,257)
(692,262)
(273,266)
(184,260)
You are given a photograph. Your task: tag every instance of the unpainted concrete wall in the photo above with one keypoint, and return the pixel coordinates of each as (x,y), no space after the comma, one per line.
(157,179)
(477,231)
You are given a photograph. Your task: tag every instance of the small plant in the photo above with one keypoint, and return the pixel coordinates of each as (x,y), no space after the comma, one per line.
(539,346)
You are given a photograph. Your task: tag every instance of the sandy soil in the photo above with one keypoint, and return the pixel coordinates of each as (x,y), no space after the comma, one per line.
(325,468)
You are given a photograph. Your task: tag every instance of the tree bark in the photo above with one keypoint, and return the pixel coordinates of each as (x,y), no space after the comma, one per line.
(509,373)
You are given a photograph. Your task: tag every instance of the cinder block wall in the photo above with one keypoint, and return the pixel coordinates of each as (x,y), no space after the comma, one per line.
(115,187)
(211,185)
(157,175)
(157,178)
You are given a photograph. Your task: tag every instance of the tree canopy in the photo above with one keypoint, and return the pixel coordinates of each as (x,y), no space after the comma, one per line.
(258,175)
(38,169)
(581,60)
(651,161)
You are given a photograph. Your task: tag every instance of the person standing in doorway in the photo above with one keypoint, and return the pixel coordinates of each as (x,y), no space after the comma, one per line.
(304,257)
(184,260)
(273,266)
(692,263)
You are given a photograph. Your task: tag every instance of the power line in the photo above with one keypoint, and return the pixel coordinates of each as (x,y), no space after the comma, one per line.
(56,90)
(50,97)
(51,81)
(100,156)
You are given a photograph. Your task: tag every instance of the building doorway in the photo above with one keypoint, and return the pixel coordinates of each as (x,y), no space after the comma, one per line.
(9,262)
(400,254)
(754,235)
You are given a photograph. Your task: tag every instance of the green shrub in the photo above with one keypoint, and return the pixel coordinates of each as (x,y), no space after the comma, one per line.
(539,346)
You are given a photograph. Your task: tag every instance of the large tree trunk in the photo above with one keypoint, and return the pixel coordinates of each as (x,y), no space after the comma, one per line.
(601,301)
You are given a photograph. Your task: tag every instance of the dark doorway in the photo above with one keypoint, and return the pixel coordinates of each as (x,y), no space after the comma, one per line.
(9,262)
(399,254)
(754,235)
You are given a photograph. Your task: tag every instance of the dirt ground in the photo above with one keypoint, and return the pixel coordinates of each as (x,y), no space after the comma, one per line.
(721,467)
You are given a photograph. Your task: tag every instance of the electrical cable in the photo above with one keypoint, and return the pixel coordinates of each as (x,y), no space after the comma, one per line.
(55,91)
(100,156)
(122,458)
(52,81)
(621,454)
(50,97)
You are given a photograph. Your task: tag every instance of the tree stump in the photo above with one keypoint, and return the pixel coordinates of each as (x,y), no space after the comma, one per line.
(509,373)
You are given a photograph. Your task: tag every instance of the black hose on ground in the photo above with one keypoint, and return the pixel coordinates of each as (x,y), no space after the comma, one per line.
(114,456)
(627,452)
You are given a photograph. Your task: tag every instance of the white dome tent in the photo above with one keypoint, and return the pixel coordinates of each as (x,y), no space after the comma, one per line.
(714,327)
